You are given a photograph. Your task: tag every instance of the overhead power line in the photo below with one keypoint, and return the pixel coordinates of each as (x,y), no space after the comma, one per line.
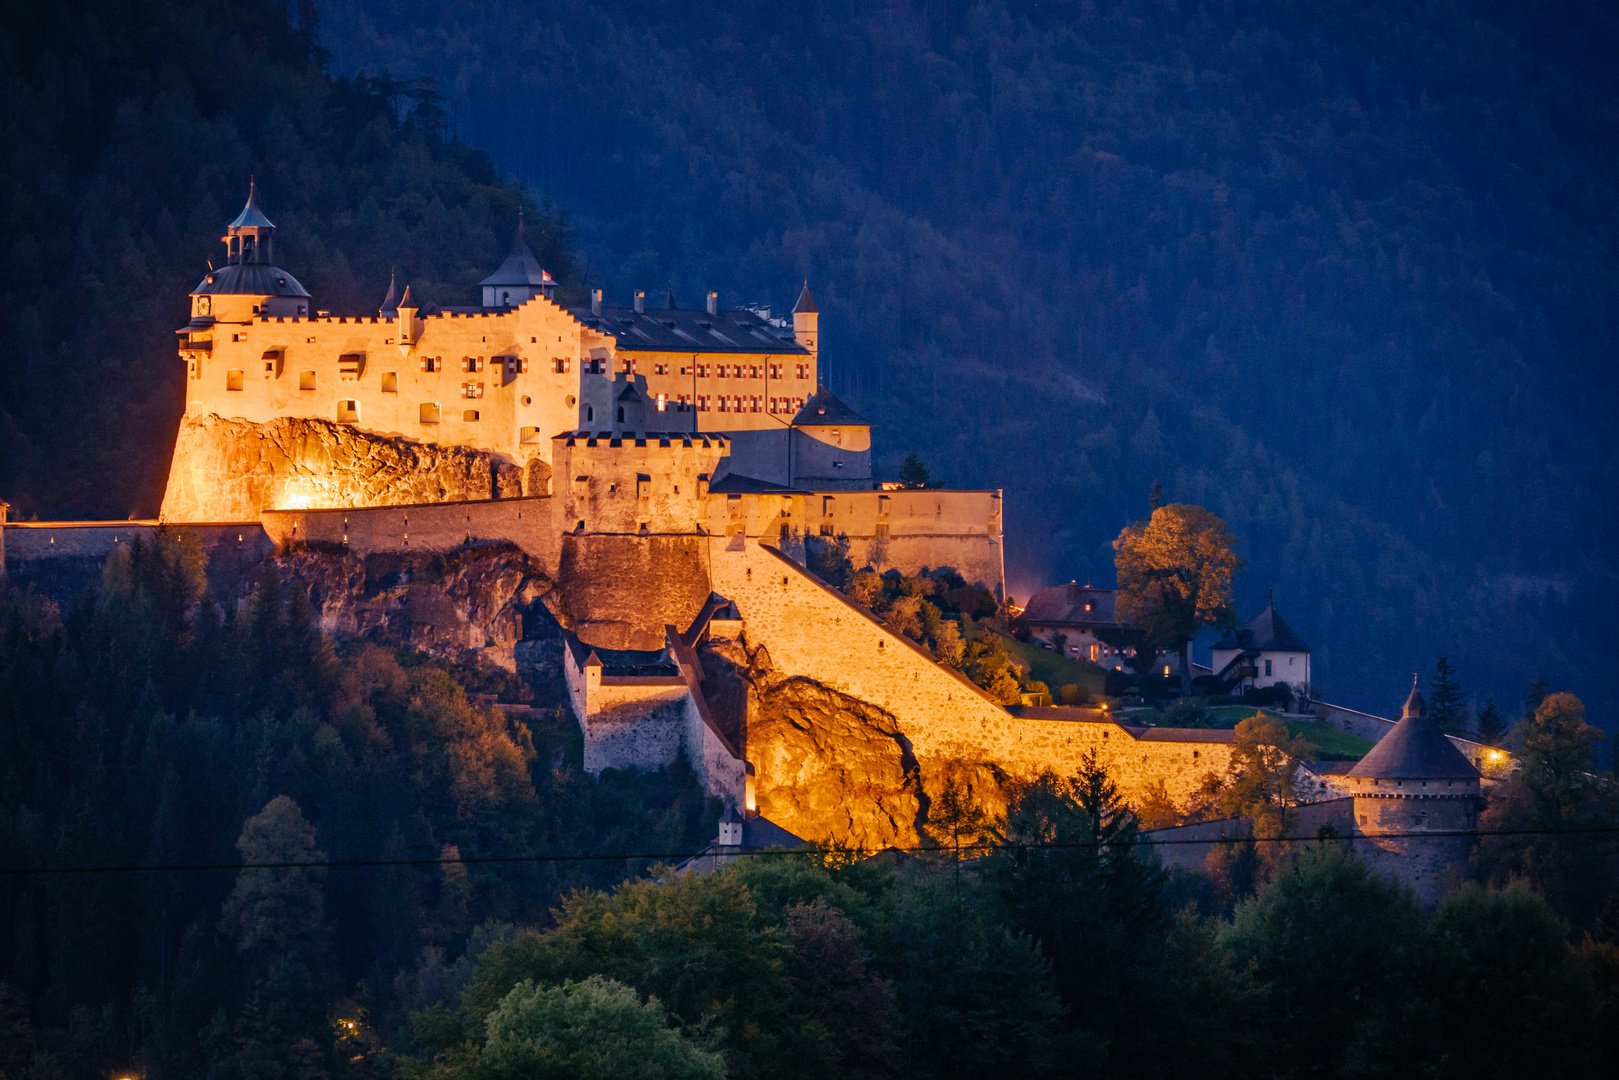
(975,847)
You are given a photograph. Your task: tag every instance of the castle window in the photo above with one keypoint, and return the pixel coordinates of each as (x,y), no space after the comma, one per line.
(590,413)
(306,380)
(826,528)
(390,382)
(233,379)
(529,434)
(882,530)
(621,414)
(350,365)
(1267,667)
(470,416)
(429,412)
(663,402)
(348,411)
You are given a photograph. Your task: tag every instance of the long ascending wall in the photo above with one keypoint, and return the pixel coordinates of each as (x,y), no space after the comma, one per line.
(810,632)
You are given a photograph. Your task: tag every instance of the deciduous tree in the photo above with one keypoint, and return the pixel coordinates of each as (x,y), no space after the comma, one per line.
(1175,572)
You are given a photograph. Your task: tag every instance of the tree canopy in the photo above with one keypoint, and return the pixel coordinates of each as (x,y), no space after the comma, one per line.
(1175,575)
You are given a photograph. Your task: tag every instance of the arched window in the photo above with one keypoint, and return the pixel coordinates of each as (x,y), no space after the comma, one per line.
(621,414)
(590,413)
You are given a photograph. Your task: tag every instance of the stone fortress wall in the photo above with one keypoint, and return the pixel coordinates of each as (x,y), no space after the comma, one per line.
(502,380)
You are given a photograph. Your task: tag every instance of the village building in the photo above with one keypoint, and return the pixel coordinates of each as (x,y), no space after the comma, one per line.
(1266,652)
(1080,621)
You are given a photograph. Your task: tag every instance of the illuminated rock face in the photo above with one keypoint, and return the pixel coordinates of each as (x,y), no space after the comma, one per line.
(231,470)
(832,767)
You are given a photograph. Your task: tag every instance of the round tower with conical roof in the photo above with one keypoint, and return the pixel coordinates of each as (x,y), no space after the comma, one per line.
(1416,803)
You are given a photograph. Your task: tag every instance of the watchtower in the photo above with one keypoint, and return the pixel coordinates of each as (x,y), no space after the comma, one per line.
(1416,803)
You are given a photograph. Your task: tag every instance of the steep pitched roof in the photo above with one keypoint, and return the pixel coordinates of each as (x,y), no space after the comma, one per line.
(251,216)
(520,267)
(1267,632)
(823,409)
(806,303)
(1415,750)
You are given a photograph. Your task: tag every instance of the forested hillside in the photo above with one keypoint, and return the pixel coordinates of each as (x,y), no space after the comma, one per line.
(130,133)
(1345,274)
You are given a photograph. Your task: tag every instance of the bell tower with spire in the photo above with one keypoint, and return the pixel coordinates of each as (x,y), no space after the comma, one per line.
(249,285)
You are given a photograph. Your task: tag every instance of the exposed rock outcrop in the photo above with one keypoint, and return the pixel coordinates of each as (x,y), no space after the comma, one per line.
(473,601)
(231,470)
(834,768)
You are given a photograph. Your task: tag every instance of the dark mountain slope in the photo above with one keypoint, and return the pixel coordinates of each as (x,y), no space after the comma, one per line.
(130,131)
(1344,274)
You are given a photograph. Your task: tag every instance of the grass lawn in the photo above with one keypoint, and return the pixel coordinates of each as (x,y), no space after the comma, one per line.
(1330,743)
(1055,669)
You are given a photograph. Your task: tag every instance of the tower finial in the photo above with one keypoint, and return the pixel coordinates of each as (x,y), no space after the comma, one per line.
(519,221)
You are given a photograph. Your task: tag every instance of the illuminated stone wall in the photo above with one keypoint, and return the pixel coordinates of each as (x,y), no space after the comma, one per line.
(836,759)
(503,381)
(908,531)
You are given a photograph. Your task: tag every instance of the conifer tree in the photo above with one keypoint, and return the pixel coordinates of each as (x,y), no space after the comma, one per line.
(1490,724)
(1445,696)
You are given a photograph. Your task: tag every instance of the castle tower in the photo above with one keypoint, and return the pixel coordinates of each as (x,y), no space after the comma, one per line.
(1416,803)
(807,322)
(249,285)
(519,279)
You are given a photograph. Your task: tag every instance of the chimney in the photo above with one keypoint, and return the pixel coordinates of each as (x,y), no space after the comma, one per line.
(640,302)
(713,303)
(595,301)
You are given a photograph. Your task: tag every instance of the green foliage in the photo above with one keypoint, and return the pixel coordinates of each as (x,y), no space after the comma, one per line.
(1490,724)
(147,725)
(1337,949)
(1445,697)
(595,1029)
(912,473)
(1265,758)
(1555,792)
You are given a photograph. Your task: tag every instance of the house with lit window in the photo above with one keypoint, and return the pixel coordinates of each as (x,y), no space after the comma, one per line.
(1265,652)
(1080,621)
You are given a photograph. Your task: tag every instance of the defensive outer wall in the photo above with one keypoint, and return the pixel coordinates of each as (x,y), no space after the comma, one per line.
(811,630)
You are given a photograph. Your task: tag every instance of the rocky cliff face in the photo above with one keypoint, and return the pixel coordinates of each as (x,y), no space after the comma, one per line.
(230,470)
(473,602)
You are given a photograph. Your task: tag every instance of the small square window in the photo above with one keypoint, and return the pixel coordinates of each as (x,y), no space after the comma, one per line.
(306,380)
(470,416)
(233,379)
(390,382)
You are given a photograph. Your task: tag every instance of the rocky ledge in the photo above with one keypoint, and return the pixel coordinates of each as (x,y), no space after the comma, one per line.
(232,470)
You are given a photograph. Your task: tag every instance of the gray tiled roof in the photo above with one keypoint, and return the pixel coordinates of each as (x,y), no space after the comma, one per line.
(1064,605)
(520,268)
(681,331)
(1266,631)
(823,409)
(249,279)
(1416,749)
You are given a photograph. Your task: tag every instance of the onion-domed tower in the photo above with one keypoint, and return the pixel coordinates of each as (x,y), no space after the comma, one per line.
(1416,803)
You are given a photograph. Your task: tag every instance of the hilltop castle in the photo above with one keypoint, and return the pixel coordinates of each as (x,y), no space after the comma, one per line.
(656,479)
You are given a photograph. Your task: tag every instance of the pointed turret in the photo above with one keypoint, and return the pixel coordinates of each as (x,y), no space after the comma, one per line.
(390,303)
(520,278)
(807,324)
(1415,749)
